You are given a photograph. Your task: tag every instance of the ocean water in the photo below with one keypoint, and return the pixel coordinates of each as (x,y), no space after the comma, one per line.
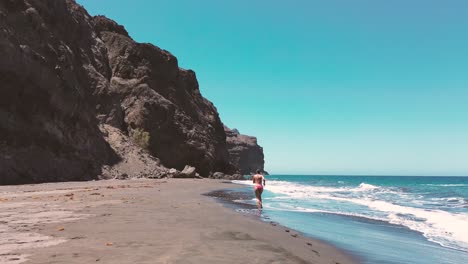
(379,219)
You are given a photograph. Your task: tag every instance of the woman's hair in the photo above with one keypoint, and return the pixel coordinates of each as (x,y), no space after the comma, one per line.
(258,171)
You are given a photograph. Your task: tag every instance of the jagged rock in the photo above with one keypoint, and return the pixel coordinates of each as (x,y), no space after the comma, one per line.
(237,177)
(102,23)
(51,65)
(173,173)
(244,151)
(156,96)
(122,176)
(134,161)
(218,175)
(188,171)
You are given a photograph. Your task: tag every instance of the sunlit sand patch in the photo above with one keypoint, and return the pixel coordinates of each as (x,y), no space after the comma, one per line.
(18,221)
(12,241)
(13,258)
(37,194)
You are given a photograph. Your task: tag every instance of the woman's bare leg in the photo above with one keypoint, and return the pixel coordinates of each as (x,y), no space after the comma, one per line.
(258,194)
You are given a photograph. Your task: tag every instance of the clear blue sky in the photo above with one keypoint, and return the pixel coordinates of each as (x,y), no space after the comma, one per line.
(328,87)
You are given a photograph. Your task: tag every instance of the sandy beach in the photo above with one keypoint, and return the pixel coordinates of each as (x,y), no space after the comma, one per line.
(143,221)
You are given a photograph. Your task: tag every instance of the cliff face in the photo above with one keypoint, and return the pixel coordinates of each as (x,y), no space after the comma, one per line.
(152,94)
(79,99)
(245,153)
(51,65)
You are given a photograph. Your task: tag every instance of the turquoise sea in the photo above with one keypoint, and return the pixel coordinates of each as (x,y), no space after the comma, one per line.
(379,219)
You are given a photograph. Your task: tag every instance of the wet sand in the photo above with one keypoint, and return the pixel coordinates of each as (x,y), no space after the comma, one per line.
(142,221)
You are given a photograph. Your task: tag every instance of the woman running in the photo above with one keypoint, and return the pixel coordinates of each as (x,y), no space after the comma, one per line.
(259,182)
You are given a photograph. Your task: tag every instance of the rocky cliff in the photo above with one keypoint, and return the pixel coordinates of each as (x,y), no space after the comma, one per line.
(79,99)
(245,153)
(154,95)
(51,65)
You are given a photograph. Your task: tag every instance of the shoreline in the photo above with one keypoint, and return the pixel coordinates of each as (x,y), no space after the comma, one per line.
(227,197)
(143,221)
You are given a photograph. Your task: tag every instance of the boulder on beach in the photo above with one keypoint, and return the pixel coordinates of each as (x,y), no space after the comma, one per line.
(187,172)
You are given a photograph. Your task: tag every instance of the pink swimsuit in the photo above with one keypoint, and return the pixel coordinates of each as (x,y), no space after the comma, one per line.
(258,187)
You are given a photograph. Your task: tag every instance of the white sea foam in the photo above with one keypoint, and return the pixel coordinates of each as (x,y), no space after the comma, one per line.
(289,208)
(306,191)
(365,187)
(445,228)
(449,199)
(274,185)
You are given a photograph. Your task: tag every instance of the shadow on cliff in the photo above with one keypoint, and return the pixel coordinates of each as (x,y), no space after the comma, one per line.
(51,66)
(40,143)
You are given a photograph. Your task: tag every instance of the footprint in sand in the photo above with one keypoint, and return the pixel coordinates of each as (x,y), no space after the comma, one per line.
(77,237)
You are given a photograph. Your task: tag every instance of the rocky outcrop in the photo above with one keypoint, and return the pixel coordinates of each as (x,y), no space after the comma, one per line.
(152,94)
(245,153)
(52,64)
(134,162)
(79,100)
(220,175)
